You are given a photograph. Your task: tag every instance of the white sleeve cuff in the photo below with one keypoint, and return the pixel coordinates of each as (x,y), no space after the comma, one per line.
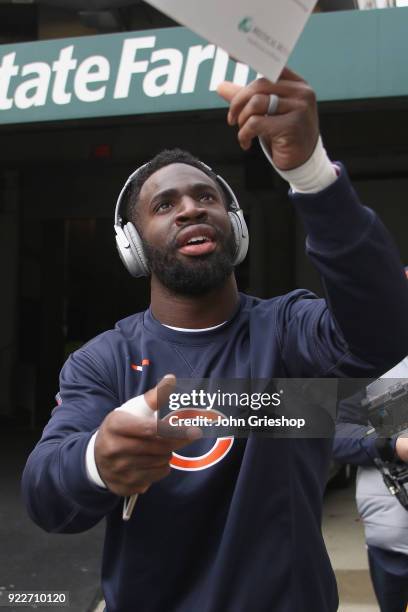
(91,469)
(314,175)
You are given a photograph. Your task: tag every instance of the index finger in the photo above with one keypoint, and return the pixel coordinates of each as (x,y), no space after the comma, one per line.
(227,90)
(239,96)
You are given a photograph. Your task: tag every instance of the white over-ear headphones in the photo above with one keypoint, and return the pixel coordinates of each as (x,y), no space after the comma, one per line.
(130,244)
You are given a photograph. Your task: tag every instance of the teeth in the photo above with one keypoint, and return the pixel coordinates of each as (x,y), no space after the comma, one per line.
(197,239)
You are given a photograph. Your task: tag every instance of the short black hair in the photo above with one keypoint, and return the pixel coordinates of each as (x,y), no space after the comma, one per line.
(164,158)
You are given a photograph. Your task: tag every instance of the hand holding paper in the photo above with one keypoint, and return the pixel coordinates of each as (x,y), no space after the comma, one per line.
(291,133)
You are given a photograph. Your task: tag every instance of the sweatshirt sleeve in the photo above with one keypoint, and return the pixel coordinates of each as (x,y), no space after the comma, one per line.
(351,444)
(55,487)
(361,328)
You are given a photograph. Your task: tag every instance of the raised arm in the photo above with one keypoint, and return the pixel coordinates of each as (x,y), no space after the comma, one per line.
(360,331)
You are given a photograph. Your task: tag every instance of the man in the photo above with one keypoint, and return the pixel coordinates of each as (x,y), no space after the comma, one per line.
(385,518)
(243,531)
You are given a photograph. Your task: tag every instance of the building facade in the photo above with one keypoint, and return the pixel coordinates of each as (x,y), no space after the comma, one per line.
(88,93)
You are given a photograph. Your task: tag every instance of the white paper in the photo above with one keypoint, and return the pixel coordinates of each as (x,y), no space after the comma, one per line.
(260,33)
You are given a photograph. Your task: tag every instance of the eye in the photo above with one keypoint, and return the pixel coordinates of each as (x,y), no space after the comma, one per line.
(163,206)
(206,196)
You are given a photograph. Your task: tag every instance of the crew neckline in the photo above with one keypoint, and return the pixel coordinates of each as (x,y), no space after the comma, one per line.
(189,330)
(186,337)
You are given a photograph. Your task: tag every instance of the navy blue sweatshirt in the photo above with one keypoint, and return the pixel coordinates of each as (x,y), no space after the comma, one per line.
(243,534)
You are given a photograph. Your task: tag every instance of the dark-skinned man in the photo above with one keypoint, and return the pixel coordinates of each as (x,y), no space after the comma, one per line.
(237,528)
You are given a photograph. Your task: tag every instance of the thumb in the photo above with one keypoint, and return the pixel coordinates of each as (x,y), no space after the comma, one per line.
(158,396)
(227,90)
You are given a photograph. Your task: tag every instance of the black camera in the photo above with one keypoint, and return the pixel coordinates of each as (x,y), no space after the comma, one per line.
(388,411)
(388,414)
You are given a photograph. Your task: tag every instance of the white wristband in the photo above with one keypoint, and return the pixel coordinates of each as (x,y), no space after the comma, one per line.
(313,176)
(136,406)
(91,469)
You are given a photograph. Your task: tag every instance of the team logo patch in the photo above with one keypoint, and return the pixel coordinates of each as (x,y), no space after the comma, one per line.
(139,368)
(216,453)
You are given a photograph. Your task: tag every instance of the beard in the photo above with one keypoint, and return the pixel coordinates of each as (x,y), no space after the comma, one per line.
(192,275)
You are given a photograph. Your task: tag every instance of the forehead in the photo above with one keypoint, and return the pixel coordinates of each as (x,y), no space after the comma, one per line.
(174,176)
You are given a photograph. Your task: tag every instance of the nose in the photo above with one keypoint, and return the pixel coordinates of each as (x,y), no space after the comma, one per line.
(190,210)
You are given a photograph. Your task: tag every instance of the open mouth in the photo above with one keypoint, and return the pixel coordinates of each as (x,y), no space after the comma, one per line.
(196,240)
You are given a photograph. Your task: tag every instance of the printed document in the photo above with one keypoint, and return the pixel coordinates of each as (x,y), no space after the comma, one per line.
(260,33)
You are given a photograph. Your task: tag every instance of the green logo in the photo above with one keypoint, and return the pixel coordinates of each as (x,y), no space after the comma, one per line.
(245,25)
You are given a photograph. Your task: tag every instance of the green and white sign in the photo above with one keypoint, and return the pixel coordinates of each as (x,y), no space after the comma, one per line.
(143,72)
(345,55)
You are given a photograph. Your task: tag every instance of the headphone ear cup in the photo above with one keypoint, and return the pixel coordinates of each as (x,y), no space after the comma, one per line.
(241,235)
(125,254)
(136,262)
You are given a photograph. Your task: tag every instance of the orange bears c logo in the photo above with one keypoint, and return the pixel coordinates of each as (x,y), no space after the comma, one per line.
(217,452)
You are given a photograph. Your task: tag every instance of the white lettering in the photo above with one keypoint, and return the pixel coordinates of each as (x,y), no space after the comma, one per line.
(256,421)
(8,69)
(276,399)
(39,84)
(62,67)
(185,399)
(94,69)
(211,397)
(169,73)
(196,56)
(174,403)
(128,66)
(165,72)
